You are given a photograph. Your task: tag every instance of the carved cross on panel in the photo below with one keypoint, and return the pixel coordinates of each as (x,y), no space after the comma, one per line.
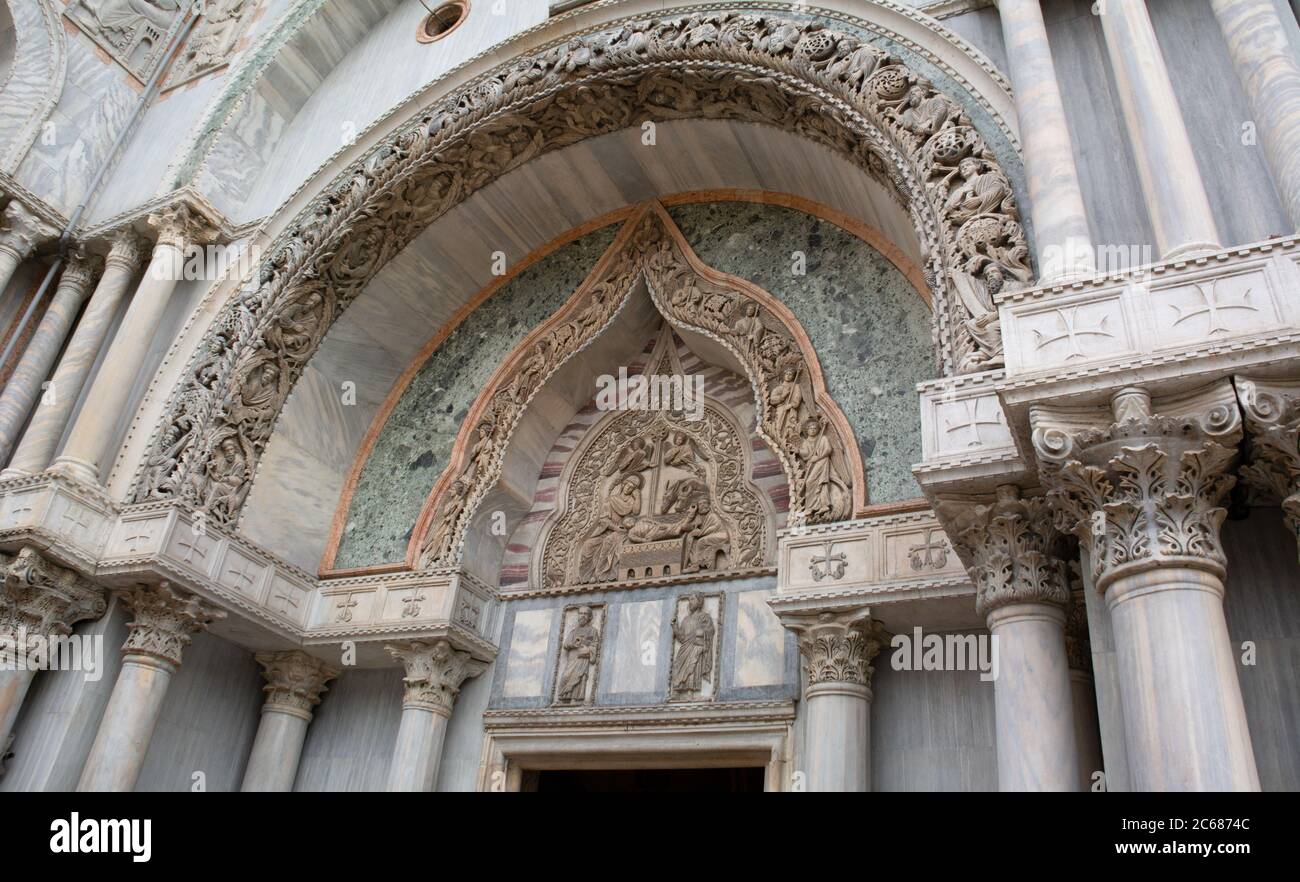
(828,564)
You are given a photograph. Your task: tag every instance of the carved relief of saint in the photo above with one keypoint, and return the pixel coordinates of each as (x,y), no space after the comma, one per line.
(708,541)
(260,394)
(980,192)
(439,544)
(786,398)
(581,647)
(228,475)
(825,493)
(680,452)
(693,659)
(598,556)
(749,327)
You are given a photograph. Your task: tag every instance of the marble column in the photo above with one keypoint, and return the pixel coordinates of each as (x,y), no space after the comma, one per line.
(24,385)
(837,649)
(434,673)
(87,450)
(40,600)
(41,438)
(1142,491)
(1269,71)
(20,233)
(1011,548)
(1171,181)
(162,624)
(1083,690)
(1061,232)
(1271,408)
(294,683)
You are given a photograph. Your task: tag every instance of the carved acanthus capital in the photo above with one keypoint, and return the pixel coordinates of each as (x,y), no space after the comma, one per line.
(80,270)
(1272,413)
(1011,547)
(127,248)
(294,681)
(838,647)
(434,672)
(1142,490)
(163,622)
(21,230)
(179,225)
(43,599)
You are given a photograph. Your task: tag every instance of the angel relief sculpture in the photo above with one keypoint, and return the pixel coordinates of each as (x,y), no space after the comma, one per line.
(656,495)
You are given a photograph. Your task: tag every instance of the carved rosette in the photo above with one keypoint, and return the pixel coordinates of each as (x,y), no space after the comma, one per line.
(43,599)
(1145,490)
(1272,415)
(1010,546)
(21,230)
(434,674)
(163,623)
(294,681)
(825,85)
(838,647)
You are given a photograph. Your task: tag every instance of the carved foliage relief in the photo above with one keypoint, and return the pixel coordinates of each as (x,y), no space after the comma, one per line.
(827,86)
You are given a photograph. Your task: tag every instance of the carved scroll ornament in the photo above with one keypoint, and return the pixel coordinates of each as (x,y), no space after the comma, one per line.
(824,85)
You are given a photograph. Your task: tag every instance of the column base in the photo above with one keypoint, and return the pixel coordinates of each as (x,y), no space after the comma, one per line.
(1192,249)
(77,469)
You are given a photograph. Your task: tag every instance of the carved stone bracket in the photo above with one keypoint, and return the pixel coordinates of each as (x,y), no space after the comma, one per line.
(294,681)
(1142,490)
(1010,546)
(822,84)
(43,599)
(1272,414)
(163,622)
(434,674)
(838,646)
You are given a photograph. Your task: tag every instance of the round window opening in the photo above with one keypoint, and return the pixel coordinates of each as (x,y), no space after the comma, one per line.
(442,21)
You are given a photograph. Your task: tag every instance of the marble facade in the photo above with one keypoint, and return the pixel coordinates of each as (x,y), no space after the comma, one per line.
(991,306)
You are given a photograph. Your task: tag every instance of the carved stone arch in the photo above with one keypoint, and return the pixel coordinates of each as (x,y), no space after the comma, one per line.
(828,86)
(796,416)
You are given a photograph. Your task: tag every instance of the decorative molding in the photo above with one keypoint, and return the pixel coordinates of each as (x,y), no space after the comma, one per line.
(163,622)
(1011,547)
(434,674)
(1140,483)
(823,84)
(294,681)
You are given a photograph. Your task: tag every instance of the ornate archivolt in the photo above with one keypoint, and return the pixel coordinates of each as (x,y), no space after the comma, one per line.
(798,419)
(822,84)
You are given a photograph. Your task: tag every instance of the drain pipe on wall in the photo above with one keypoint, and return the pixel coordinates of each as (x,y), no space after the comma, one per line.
(65,238)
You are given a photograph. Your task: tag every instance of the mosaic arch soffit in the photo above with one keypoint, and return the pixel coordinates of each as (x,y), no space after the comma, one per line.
(796,416)
(824,85)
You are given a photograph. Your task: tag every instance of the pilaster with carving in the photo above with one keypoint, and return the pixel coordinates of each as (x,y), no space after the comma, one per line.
(164,622)
(1010,546)
(21,231)
(294,681)
(1143,489)
(434,674)
(43,599)
(1272,415)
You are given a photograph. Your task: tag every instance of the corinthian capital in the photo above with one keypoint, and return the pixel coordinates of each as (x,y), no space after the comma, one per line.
(164,622)
(1010,546)
(1272,412)
(294,681)
(80,270)
(434,672)
(1143,489)
(838,647)
(43,599)
(21,231)
(126,249)
(179,225)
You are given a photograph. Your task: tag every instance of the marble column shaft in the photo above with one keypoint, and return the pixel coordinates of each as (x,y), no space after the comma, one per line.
(434,674)
(24,385)
(41,439)
(20,233)
(87,450)
(1143,495)
(1269,70)
(1061,231)
(1171,181)
(163,623)
(294,683)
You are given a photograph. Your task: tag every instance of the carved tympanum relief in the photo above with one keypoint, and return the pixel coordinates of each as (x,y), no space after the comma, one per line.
(627,520)
(822,84)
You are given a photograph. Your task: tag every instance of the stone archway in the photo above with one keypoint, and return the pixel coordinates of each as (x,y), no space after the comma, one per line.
(827,86)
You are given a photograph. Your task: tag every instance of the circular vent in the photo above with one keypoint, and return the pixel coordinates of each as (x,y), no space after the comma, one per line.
(442,21)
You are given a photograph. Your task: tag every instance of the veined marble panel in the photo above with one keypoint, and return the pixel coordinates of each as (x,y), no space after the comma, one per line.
(527,659)
(634,650)
(760,658)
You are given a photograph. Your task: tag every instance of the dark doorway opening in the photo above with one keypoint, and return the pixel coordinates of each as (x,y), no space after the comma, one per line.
(645,781)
